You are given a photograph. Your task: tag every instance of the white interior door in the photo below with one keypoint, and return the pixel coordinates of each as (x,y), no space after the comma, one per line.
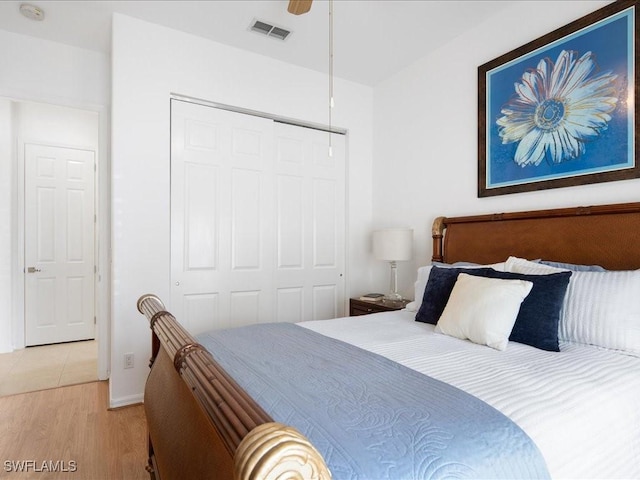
(59,244)
(257,220)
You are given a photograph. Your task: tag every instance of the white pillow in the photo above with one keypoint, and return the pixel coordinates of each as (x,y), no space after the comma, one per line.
(423,276)
(603,309)
(483,310)
(419,286)
(600,308)
(520,265)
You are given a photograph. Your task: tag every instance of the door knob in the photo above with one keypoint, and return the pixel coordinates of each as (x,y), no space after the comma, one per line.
(33,270)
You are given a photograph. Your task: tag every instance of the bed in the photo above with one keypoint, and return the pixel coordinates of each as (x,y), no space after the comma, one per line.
(563,407)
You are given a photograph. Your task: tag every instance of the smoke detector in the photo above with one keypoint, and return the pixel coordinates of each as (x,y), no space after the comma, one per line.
(32,12)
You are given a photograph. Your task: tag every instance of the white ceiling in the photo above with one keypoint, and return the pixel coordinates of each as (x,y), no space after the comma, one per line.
(373,39)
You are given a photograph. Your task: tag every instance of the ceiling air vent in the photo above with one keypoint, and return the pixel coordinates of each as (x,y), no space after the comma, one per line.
(269,30)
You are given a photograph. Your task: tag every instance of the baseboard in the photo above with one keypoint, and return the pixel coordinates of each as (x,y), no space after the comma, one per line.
(126,401)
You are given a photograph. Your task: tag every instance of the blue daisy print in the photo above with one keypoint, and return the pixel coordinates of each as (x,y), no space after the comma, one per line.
(557,108)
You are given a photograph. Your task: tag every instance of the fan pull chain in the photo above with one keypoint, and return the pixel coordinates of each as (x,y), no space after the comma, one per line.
(331,102)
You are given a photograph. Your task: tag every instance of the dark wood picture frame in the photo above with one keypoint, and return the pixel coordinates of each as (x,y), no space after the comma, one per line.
(603,149)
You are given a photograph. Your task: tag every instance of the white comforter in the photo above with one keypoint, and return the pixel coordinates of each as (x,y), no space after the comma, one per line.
(580,405)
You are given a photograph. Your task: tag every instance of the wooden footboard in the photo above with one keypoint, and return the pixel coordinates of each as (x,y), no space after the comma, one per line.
(202,424)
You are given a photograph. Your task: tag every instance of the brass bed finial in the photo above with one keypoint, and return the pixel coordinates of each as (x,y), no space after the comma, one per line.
(272,451)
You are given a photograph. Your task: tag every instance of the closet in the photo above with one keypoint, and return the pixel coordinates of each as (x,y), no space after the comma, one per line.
(257,219)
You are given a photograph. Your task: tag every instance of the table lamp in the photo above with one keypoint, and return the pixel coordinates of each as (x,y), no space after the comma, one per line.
(393,245)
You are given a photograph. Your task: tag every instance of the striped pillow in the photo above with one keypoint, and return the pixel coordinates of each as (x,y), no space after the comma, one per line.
(603,309)
(600,308)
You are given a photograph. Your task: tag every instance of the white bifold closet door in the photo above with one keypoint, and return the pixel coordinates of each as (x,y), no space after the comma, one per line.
(257,220)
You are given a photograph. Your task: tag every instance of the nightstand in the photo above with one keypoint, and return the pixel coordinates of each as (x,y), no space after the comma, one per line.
(362,307)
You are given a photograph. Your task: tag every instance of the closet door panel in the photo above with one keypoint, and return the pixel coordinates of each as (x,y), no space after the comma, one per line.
(220,201)
(257,220)
(311,221)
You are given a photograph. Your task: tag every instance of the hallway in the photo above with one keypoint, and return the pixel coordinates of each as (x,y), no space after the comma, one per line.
(48,366)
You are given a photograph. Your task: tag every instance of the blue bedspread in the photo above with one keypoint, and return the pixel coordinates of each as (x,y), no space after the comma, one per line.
(370,417)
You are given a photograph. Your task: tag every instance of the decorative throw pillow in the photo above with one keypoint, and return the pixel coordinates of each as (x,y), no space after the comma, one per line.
(437,291)
(423,277)
(600,308)
(603,309)
(520,265)
(483,309)
(538,318)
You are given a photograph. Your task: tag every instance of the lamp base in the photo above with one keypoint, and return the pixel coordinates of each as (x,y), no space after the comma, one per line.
(393,300)
(392,297)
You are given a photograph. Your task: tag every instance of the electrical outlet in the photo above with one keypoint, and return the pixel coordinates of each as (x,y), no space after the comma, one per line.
(128,360)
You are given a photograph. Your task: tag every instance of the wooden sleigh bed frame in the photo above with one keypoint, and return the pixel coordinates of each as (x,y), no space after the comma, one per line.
(203,425)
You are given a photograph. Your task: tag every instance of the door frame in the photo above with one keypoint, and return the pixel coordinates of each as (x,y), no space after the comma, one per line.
(102,233)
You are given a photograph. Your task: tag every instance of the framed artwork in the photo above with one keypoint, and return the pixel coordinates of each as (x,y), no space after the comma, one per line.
(561,110)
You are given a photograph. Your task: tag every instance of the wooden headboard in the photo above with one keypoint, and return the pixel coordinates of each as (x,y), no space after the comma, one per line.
(606,235)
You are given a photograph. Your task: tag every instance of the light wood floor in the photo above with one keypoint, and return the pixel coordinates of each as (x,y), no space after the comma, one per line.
(72,426)
(48,366)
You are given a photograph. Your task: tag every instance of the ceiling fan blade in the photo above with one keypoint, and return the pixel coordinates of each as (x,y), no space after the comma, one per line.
(298,7)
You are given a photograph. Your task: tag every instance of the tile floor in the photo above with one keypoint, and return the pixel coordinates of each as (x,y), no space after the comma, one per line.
(48,366)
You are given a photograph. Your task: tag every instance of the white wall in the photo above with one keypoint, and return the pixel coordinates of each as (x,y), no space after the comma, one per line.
(40,70)
(35,70)
(6,235)
(149,63)
(425,142)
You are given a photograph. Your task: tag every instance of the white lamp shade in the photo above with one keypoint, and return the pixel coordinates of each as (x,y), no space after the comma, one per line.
(393,244)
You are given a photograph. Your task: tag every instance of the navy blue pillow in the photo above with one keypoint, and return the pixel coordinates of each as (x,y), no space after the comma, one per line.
(438,290)
(537,321)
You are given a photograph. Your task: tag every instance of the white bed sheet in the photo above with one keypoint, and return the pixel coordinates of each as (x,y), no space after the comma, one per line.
(580,406)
